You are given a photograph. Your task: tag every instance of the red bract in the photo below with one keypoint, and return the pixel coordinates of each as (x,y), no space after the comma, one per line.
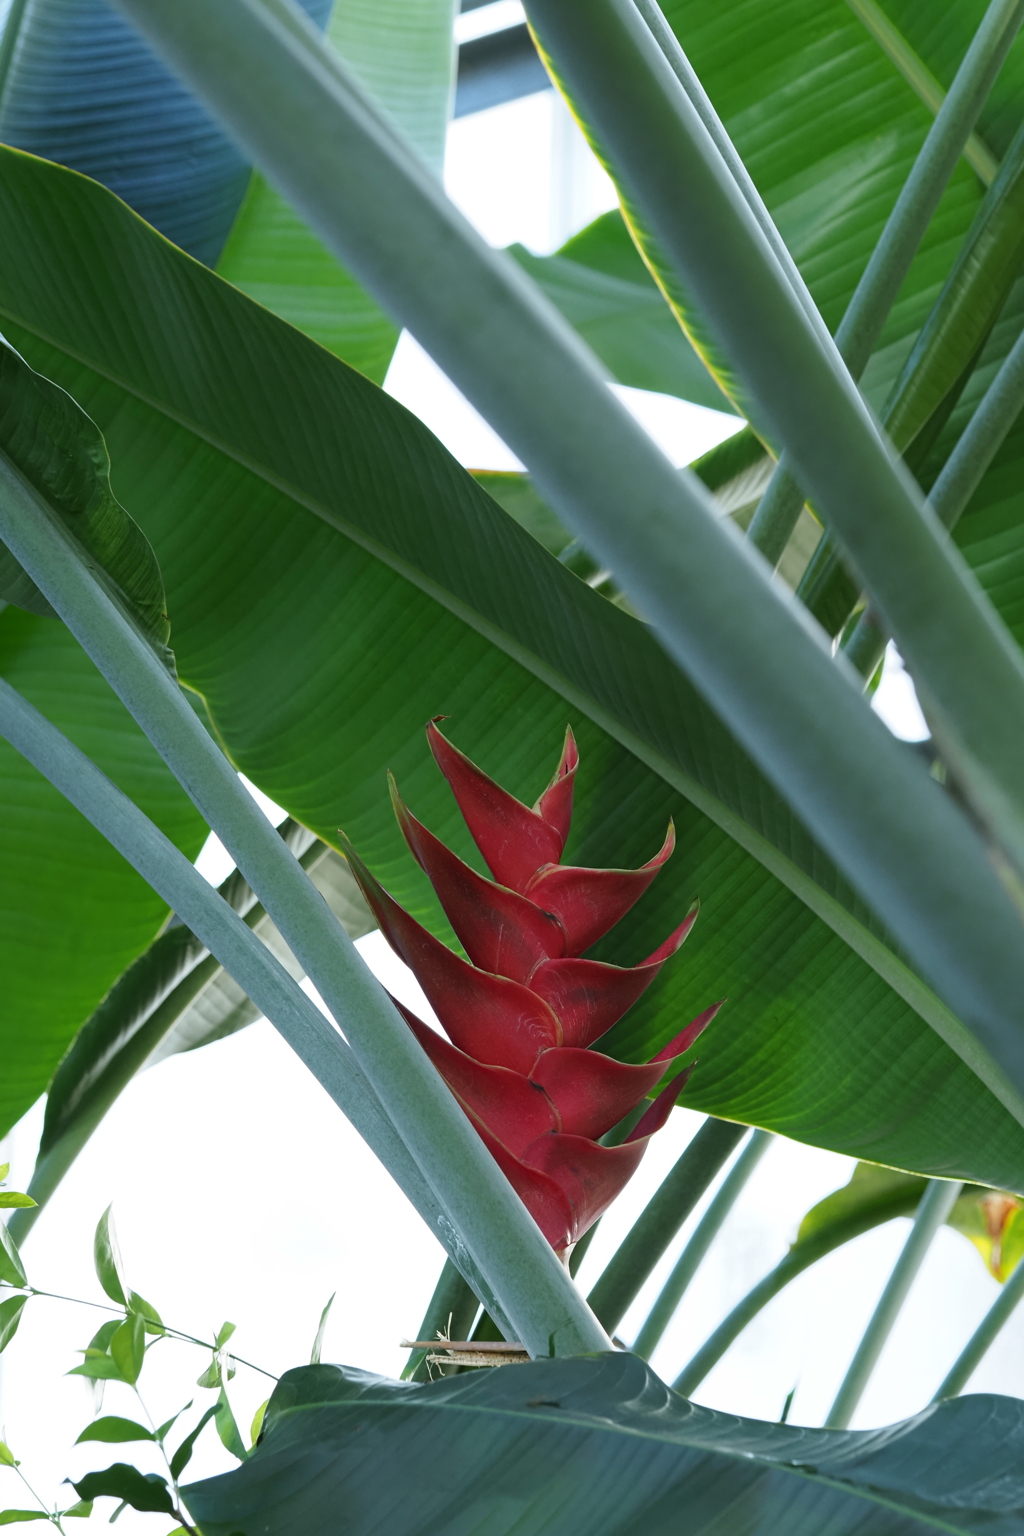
(521,1013)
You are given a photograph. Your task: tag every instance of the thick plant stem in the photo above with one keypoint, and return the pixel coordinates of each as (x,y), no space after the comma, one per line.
(800,1257)
(908,850)
(661,1219)
(486,1220)
(920,79)
(936,1203)
(890,260)
(681,67)
(217,926)
(981,439)
(707,1230)
(200,968)
(778,512)
(618,79)
(776,517)
(961,475)
(983,1337)
(313,1038)
(451,1310)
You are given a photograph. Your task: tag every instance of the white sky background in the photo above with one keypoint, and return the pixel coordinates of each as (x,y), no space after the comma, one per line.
(240,1192)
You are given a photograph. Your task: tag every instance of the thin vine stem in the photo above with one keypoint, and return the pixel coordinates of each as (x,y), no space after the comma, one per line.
(99,1306)
(178,1512)
(961,475)
(51,1514)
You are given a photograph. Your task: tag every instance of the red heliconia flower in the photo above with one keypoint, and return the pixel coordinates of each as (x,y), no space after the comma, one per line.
(522,1012)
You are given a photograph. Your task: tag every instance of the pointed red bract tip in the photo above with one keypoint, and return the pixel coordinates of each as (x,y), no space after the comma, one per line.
(500,930)
(590,901)
(654,1118)
(521,1014)
(587,996)
(555,804)
(674,941)
(591,1092)
(513,1108)
(686,1037)
(497,1021)
(550,1208)
(514,841)
(588,1175)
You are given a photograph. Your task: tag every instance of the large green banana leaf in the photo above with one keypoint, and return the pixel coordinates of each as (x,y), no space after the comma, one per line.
(335,579)
(991,532)
(599,1444)
(174,997)
(64,458)
(78,85)
(75,914)
(602,287)
(403,52)
(828,127)
(954,339)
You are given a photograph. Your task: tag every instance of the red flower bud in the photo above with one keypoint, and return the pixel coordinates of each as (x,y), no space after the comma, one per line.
(522,1012)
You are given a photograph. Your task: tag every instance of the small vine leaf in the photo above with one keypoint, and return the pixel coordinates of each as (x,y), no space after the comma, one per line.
(113,1431)
(15,1516)
(146,1492)
(183,1455)
(107,1256)
(98,1367)
(149,1313)
(228,1429)
(10,1317)
(168,1425)
(257,1422)
(7,1458)
(50,442)
(11,1268)
(100,1340)
(211,1376)
(318,1342)
(128,1347)
(80,1511)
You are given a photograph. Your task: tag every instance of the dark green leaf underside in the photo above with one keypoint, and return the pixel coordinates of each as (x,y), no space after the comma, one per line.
(600,1445)
(336,579)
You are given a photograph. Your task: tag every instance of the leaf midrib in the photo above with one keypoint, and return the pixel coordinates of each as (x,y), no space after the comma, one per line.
(887,965)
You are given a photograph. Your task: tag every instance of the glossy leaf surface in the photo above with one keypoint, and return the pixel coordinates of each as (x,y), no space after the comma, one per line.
(59,451)
(355,566)
(82,88)
(121,1481)
(10,1317)
(76,913)
(402,52)
(175,997)
(603,289)
(599,1443)
(830,158)
(112,1430)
